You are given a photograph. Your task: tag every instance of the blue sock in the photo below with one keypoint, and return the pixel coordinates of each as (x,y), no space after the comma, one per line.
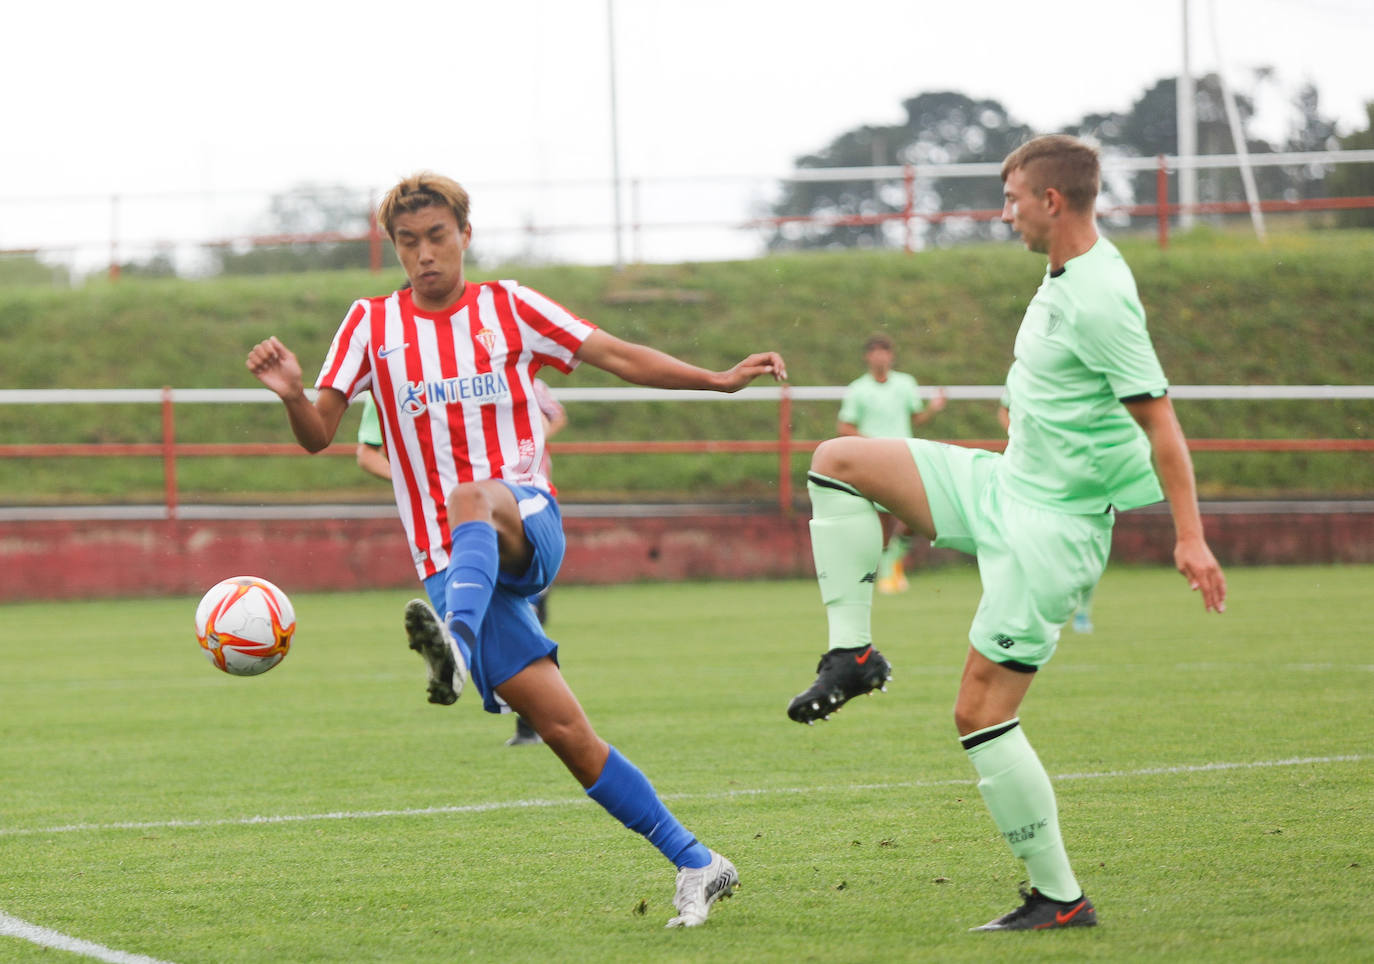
(627,795)
(470,580)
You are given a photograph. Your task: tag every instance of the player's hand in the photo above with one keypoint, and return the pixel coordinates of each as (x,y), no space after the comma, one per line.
(1197,564)
(762,363)
(273,364)
(937,403)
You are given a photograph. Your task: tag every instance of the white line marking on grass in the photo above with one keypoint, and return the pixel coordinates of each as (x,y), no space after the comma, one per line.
(718,795)
(1209,767)
(290,818)
(14,927)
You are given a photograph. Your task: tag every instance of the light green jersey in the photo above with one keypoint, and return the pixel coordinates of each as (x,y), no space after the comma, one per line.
(370,428)
(1082,347)
(882,409)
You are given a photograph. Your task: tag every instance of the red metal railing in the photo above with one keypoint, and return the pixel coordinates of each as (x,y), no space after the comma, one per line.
(784,446)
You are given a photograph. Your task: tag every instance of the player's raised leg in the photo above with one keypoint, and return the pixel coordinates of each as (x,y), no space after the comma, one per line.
(541,695)
(447,662)
(487,534)
(848,476)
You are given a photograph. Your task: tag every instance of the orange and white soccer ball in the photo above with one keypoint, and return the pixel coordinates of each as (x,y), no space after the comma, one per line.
(245,625)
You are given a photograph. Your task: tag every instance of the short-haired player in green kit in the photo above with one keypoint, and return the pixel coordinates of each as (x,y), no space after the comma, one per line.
(885,403)
(1090,407)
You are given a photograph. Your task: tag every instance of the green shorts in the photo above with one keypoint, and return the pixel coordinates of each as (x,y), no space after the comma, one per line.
(1036,564)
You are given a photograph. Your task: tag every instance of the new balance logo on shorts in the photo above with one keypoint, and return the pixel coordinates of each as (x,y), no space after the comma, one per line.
(1003,640)
(870,577)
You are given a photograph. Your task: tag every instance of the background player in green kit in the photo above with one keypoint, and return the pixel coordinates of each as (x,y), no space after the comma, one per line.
(1090,405)
(884,403)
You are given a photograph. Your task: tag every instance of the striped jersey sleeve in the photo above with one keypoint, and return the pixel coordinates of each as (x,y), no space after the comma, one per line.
(347,366)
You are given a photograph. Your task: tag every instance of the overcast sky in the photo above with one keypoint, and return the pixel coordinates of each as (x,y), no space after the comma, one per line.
(144,96)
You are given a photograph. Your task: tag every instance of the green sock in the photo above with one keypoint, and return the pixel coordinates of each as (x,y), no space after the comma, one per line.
(897,548)
(1018,794)
(846,541)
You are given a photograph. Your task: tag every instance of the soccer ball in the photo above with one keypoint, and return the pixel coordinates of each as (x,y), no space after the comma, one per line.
(245,625)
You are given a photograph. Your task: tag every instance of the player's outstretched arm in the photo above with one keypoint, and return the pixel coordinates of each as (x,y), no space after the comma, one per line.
(372,460)
(934,407)
(1192,555)
(313,423)
(642,365)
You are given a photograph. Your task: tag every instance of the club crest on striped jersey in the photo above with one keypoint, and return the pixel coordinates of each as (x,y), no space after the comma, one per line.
(486,388)
(486,338)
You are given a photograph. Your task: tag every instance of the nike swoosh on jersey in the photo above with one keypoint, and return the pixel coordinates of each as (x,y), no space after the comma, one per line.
(383,352)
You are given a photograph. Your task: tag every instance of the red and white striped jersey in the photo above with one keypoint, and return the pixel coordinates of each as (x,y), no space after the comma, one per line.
(455,393)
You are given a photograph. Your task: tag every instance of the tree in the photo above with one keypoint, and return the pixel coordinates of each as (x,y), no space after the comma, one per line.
(306,209)
(1150,127)
(1311,132)
(947,127)
(943,127)
(161,264)
(1355,180)
(25,268)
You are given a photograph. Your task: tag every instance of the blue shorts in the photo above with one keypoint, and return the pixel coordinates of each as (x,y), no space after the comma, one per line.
(510,637)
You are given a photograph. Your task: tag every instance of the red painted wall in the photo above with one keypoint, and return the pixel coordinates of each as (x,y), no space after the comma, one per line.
(52,559)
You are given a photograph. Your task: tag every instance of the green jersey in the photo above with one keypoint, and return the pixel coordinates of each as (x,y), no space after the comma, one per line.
(370,428)
(1081,349)
(882,409)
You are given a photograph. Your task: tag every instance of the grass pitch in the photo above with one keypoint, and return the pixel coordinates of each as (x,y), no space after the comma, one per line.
(1214,777)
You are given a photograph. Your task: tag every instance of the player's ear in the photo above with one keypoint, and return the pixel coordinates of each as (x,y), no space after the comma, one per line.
(1054,201)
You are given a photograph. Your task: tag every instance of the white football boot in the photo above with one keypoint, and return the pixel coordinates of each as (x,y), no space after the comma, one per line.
(699,887)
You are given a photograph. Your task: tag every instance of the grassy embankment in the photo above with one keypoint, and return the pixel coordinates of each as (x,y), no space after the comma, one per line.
(1222,311)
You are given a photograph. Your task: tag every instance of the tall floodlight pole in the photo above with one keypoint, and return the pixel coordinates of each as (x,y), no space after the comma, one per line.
(1228,99)
(1187,134)
(615,136)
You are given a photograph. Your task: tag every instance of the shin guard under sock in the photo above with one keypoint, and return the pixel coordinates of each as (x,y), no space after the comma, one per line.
(627,795)
(1018,794)
(470,581)
(846,542)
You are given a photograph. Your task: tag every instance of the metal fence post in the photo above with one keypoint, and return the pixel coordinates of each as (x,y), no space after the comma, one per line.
(114,237)
(785,450)
(1162,202)
(374,242)
(909,207)
(169,454)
